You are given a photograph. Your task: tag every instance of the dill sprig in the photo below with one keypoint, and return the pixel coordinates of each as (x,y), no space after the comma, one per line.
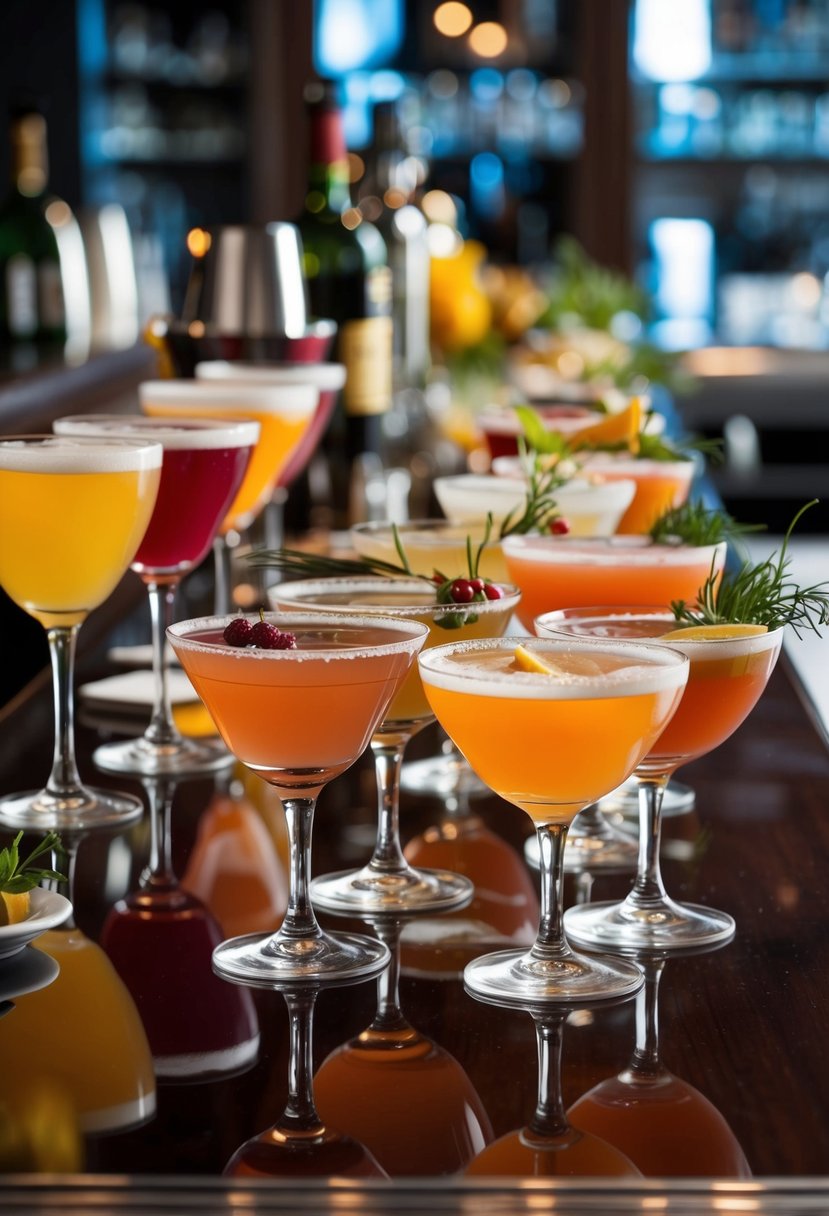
(759,594)
(695,524)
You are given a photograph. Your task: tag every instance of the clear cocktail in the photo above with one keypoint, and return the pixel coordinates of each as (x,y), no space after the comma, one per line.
(552,741)
(299,717)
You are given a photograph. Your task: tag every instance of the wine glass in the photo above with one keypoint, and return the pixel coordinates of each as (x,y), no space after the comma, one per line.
(284,413)
(397,1091)
(664,1125)
(73,512)
(299,717)
(550,1146)
(388,883)
(301,1144)
(551,729)
(727,676)
(203,466)
(161,939)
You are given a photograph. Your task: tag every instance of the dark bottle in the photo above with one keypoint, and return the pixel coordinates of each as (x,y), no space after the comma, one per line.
(349,280)
(31,295)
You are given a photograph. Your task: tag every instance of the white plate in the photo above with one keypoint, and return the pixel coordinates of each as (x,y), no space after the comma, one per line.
(48,909)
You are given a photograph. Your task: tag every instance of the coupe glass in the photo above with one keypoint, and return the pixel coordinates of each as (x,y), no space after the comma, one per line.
(203,466)
(388,883)
(299,717)
(284,414)
(726,678)
(72,514)
(552,743)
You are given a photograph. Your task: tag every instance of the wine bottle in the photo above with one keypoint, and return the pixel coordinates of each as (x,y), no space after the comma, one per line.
(31,295)
(349,281)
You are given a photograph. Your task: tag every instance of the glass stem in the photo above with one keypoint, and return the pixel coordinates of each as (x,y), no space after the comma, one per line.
(66,860)
(64,779)
(645,1060)
(648,889)
(389,1015)
(223,575)
(300,1113)
(550,1118)
(299,922)
(159,872)
(161,732)
(388,759)
(551,942)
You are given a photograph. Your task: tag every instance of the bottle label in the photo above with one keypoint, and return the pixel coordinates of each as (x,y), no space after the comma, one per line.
(21,296)
(50,296)
(366,350)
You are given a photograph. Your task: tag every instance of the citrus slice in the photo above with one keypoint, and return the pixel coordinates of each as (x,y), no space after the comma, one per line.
(14,908)
(622,427)
(572,664)
(704,633)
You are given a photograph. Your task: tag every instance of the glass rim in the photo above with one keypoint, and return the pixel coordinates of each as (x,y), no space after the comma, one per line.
(191,395)
(170,431)
(743,643)
(511,596)
(415,632)
(642,550)
(146,454)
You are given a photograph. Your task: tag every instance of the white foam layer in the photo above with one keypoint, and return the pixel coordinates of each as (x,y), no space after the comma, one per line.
(326,377)
(452,667)
(290,400)
(414,634)
(598,628)
(470,496)
(698,650)
(73,454)
(607,551)
(174,434)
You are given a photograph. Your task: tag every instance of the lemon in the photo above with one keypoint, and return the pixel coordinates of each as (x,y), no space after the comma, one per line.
(525,660)
(14,908)
(572,664)
(705,633)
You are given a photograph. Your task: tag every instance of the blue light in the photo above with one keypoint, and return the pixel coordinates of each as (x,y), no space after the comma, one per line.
(354,34)
(486,180)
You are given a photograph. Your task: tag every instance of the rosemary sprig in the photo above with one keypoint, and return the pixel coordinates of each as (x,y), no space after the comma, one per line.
(300,563)
(540,507)
(695,524)
(761,594)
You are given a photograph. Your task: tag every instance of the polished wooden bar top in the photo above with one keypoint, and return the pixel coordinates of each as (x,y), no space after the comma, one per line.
(742,1025)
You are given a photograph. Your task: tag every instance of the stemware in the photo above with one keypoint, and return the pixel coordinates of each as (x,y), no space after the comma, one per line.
(726,678)
(388,883)
(299,717)
(72,514)
(398,1091)
(284,413)
(664,1125)
(551,741)
(203,466)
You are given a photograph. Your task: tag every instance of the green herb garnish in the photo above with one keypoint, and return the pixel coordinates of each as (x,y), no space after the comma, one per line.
(760,594)
(695,524)
(18,876)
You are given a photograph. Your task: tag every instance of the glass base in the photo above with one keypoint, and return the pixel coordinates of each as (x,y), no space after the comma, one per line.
(602,847)
(262,960)
(181,758)
(521,978)
(40,811)
(678,799)
(443,776)
(373,891)
(665,924)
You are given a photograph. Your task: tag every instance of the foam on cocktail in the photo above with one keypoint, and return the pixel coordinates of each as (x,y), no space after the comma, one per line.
(286,400)
(175,435)
(602,551)
(327,377)
(65,454)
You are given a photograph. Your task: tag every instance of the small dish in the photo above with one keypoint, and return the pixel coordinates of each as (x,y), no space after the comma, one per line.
(48,910)
(31,970)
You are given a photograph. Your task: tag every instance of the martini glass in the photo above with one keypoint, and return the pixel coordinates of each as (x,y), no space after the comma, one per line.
(203,466)
(551,743)
(397,1091)
(664,1125)
(161,939)
(284,414)
(388,883)
(72,514)
(726,679)
(299,717)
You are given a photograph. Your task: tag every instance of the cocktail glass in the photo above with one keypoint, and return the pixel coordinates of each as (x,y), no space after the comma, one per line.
(726,678)
(72,514)
(590,508)
(299,717)
(664,1125)
(660,485)
(501,426)
(552,743)
(397,1091)
(204,464)
(388,883)
(284,414)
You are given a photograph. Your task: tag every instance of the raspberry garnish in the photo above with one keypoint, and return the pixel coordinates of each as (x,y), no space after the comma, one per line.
(238,632)
(266,636)
(560,526)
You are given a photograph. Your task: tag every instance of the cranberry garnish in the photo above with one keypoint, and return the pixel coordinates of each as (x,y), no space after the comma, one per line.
(560,526)
(477,584)
(462,591)
(493,592)
(238,632)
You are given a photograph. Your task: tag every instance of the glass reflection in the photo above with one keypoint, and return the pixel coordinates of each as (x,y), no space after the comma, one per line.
(401,1094)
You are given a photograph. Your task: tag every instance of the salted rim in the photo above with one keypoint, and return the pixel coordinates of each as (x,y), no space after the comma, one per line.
(607,550)
(326,377)
(172,433)
(77,454)
(177,635)
(298,399)
(578,493)
(508,601)
(696,648)
(666,669)
(504,421)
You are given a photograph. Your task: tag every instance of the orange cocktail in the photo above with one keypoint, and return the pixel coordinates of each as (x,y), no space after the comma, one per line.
(552,729)
(727,676)
(660,486)
(557,572)
(298,714)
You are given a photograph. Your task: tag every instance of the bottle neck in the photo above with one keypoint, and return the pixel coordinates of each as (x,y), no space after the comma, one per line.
(328,175)
(29,159)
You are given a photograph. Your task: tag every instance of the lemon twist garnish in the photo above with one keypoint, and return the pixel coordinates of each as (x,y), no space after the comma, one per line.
(713,632)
